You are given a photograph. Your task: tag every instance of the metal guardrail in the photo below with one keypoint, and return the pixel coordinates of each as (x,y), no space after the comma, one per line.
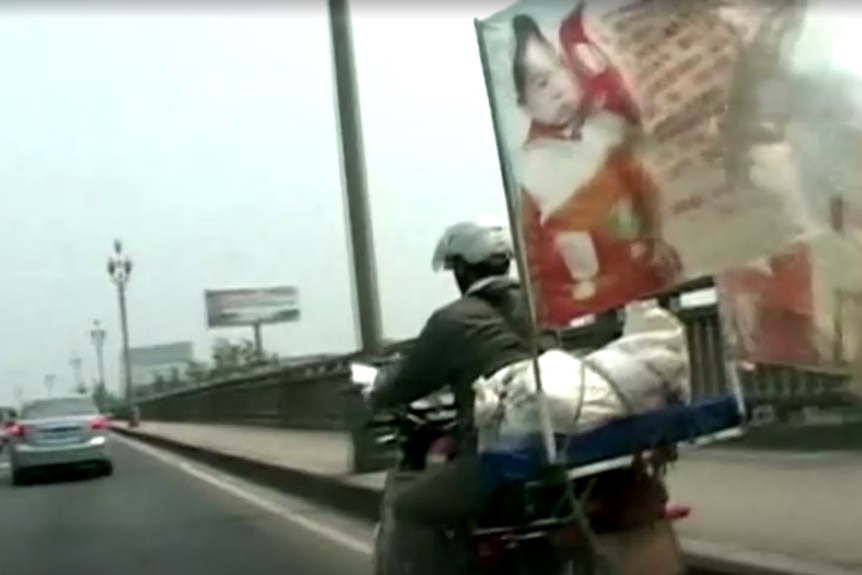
(308,395)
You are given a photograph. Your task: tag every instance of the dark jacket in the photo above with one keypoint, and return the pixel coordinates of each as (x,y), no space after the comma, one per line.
(474,336)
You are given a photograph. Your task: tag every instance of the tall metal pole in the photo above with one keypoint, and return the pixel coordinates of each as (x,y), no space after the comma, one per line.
(127,360)
(837,213)
(50,380)
(97,335)
(76,362)
(258,341)
(355,180)
(120,270)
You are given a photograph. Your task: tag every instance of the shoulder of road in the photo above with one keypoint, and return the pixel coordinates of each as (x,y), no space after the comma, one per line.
(794,512)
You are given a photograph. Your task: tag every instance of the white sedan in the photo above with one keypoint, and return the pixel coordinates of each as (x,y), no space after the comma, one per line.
(58,432)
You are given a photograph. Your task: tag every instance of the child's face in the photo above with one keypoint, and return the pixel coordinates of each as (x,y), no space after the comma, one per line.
(551,94)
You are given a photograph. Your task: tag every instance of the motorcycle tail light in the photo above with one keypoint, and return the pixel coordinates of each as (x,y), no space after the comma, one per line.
(490,550)
(101,423)
(676,512)
(441,451)
(568,540)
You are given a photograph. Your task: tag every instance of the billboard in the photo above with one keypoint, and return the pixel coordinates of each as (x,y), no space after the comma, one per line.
(151,362)
(249,307)
(161,354)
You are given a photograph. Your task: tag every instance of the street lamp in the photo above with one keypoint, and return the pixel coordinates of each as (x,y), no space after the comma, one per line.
(97,336)
(75,362)
(120,270)
(50,380)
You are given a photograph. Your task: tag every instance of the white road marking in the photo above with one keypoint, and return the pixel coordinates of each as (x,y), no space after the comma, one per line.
(709,549)
(320,529)
(742,456)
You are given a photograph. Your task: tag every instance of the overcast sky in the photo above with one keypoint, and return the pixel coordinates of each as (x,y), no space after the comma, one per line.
(207,142)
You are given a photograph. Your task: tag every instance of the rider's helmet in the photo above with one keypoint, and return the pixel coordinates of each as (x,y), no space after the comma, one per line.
(474,250)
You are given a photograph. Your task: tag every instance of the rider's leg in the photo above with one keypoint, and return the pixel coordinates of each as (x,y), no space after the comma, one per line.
(444,496)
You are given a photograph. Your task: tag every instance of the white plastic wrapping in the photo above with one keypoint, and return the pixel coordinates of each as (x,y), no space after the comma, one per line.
(645,369)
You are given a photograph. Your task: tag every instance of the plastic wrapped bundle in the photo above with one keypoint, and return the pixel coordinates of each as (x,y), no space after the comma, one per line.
(644,370)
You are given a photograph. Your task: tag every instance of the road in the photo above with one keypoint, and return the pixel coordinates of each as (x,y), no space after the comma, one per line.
(159,515)
(801,505)
(756,505)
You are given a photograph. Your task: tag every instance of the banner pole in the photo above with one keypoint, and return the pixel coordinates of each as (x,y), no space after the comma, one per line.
(513,207)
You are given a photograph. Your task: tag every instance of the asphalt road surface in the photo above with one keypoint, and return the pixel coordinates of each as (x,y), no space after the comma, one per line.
(159,515)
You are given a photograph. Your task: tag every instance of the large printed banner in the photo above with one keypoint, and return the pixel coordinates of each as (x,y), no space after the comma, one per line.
(802,307)
(768,309)
(641,135)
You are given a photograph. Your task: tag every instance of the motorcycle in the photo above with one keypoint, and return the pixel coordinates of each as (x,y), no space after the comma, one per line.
(609,522)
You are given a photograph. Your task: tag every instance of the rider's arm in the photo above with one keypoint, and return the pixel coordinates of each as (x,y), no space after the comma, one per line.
(425,369)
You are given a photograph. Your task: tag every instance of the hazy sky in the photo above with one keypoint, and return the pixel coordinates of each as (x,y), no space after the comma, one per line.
(207,142)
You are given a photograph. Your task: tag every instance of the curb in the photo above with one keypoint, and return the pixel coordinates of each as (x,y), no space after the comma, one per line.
(364,503)
(354,500)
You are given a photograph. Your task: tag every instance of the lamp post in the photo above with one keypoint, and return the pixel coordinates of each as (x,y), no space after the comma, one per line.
(97,336)
(50,380)
(75,362)
(120,270)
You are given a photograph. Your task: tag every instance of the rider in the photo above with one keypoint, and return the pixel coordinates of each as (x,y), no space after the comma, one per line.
(479,333)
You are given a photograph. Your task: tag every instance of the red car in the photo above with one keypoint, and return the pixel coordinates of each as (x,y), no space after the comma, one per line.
(7,419)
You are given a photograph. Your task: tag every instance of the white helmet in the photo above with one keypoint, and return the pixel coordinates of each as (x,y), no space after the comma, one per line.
(474,242)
